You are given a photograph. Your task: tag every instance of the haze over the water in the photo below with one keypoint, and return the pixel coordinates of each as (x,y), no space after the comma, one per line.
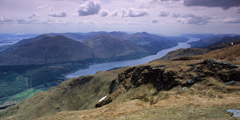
(169,17)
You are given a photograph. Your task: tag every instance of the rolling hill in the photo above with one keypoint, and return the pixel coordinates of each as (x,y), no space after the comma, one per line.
(45,50)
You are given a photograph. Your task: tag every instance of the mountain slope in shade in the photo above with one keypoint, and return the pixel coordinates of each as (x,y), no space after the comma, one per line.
(45,49)
(151,43)
(105,46)
(119,35)
(145,37)
(217,39)
(81,36)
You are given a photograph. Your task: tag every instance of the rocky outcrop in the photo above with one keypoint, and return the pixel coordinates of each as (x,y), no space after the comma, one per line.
(136,76)
(225,71)
(7,104)
(164,79)
(106,101)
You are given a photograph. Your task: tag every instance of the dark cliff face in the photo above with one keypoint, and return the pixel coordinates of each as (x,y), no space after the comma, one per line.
(45,50)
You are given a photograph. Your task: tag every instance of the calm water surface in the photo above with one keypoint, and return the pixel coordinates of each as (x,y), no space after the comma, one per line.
(106,66)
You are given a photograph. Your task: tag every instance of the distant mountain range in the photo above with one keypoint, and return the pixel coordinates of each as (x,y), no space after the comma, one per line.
(13,38)
(213,39)
(59,48)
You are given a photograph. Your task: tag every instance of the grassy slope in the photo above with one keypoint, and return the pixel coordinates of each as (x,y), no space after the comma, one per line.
(10,84)
(74,94)
(182,53)
(26,94)
(230,54)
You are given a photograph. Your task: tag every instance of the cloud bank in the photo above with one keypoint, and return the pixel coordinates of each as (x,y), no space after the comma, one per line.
(104,13)
(163,14)
(59,14)
(89,8)
(155,20)
(224,4)
(192,19)
(132,12)
(4,20)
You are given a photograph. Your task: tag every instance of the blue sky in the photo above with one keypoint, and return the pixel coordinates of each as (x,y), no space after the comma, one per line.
(168,17)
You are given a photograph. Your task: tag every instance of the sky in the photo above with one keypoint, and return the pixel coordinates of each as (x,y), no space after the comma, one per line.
(166,17)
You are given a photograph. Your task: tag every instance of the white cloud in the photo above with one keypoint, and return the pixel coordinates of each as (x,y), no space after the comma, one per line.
(163,13)
(132,12)
(114,13)
(4,20)
(87,22)
(176,15)
(23,21)
(124,23)
(231,20)
(59,14)
(193,19)
(46,7)
(33,15)
(155,20)
(104,13)
(89,8)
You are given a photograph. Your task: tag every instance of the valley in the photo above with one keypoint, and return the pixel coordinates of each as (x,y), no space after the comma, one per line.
(42,62)
(106,66)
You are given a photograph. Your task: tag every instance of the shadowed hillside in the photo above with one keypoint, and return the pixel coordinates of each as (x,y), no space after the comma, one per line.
(45,50)
(105,46)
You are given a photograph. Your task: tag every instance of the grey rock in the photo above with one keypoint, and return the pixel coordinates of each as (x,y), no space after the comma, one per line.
(235,112)
(190,81)
(231,83)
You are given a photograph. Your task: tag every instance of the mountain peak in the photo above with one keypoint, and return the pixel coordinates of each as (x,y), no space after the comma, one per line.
(103,36)
(45,49)
(46,35)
